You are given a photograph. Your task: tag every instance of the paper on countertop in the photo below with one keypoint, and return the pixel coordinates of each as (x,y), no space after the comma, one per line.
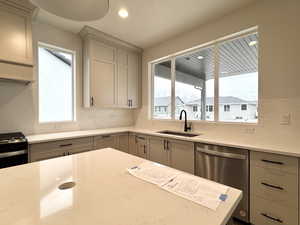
(196,189)
(154,173)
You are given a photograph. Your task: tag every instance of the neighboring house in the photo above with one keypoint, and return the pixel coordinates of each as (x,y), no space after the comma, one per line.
(231,109)
(162,106)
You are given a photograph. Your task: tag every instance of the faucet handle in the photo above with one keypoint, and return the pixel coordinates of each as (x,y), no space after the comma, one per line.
(189,126)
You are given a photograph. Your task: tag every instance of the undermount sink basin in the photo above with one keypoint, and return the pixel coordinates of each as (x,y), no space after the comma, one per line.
(178,133)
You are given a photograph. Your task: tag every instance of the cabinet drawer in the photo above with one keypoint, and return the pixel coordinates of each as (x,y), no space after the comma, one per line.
(69,144)
(105,141)
(264,212)
(274,161)
(276,186)
(38,156)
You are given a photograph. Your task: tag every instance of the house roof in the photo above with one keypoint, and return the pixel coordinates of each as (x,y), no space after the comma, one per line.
(59,56)
(165,101)
(222,100)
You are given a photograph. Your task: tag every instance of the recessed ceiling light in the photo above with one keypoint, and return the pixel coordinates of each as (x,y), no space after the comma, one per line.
(200,57)
(252,43)
(123,13)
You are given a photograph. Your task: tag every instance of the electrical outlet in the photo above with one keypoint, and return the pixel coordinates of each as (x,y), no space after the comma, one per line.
(250,130)
(285,119)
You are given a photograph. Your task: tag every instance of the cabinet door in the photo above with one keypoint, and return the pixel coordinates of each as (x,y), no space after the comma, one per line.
(105,141)
(133,144)
(182,155)
(123,142)
(103,83)
(15,35)
(133,79)
(142,146)
(122,95)
(158,151)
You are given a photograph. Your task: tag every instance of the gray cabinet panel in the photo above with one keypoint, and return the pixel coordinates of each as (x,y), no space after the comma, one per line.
(182,155)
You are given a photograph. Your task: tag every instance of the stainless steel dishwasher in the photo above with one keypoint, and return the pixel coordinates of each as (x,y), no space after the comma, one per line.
(229,166)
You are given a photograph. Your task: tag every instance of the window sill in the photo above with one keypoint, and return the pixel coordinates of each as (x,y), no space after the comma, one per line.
(207,122)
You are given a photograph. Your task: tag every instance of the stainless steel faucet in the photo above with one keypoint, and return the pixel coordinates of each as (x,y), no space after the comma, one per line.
(186,127)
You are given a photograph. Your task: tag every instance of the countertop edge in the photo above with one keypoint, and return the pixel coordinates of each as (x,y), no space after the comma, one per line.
(42,138)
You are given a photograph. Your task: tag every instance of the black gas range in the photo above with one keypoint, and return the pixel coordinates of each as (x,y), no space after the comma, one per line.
(13,149)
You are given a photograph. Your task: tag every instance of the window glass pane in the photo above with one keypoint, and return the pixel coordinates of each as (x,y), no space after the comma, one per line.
(238,79)
(55,85)
(162,91)
(194,84)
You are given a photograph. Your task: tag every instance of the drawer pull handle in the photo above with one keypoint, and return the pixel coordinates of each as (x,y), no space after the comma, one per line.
(65,145)
(141,138)
(106,136)
(272,218)
(273,162)
(145,152)
(272,186)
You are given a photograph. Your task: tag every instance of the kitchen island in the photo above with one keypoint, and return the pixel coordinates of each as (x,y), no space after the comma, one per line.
(104,193)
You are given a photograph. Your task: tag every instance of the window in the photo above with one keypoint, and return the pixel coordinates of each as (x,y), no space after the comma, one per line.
(238,78)
(226,108)
(56,84)
(194,83)
(189,81)
(243,107)
(162,90)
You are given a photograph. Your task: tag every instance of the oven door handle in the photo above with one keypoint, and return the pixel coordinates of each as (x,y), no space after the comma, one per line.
(221,154)
(10,154)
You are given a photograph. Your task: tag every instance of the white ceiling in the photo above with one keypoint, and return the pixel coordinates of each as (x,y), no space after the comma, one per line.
(151,21)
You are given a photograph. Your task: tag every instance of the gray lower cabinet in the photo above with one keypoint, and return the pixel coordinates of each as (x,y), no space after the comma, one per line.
(182,155)
(158,151)
(132,142)
(53,149)
(274,189)
(177,154)
(142,146)
(105,141)
(123,142)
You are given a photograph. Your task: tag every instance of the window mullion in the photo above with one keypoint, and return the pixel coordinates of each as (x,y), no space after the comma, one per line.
(173,77)
(216,83)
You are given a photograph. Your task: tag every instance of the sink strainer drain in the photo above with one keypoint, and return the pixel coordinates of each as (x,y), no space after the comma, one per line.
(66,185)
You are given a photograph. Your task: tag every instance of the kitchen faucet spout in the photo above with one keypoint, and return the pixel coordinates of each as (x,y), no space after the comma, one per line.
(186,127)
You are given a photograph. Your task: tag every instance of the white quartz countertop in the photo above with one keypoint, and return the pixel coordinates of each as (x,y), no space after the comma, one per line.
(105,193)
(247,143)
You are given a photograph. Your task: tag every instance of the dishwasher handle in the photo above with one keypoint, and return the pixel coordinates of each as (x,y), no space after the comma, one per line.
(221,154)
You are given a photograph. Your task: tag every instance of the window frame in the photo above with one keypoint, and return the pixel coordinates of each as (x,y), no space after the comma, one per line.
(172,57)
(67,51)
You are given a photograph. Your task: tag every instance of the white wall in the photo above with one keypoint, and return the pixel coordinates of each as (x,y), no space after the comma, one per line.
(19,103)
(279,49)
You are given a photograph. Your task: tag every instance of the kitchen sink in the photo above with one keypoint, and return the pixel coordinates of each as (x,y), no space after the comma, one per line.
(178,133)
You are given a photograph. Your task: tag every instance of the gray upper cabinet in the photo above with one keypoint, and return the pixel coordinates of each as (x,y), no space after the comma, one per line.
(133,80)
(111,71)
(16,61)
